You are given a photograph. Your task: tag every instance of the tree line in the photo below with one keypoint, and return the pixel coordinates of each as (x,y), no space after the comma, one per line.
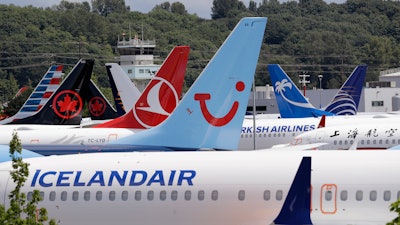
(305,36)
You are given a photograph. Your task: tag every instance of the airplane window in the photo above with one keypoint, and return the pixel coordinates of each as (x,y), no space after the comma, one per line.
(245,135)
(328,195)
(99,195)
(380,141)
(362,142)
(283,135)
(63,196)
(274,135)
(200,195)
(393,141)
(75,195)
(372,196)
(279,135)
(265,135)
(163,195)
(52,196)
(279,195)
(241,195)
(387,141)
(398,195)
(41,194)
(386,195)
(343,195)
(241,135)
(398,141)
(335,142)
(267,195)
(269,135)
(368,142)
(138,195)
(174,195)
(188,195)
(345,142)
(351,142)
(214,195)
(359,195)
(29,197)
(374,141)
(150,195)
(340,142)
(260,135)
(111,196)
(86,195)
(124,195)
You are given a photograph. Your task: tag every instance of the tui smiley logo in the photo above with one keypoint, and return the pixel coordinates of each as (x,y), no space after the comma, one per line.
(218,121)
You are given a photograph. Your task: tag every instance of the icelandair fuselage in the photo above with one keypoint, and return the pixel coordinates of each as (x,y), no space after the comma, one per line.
(219,188)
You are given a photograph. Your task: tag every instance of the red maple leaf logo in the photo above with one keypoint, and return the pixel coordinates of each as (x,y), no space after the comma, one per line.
(67,104)
(97,106)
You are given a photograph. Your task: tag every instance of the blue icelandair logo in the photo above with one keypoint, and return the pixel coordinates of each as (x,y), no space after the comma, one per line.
(279,129)
(111,178)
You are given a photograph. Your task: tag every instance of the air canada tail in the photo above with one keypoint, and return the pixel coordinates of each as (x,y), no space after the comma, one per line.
(291,103)
(65,106)
(211,113)
(347,98)
(160,97)
(123,89)
(40,95)
(98,105)
(296,208)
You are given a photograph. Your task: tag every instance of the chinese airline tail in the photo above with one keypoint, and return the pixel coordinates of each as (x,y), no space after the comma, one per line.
(292,104)
(39,97)
(347,98)
(123,89)
(65,106)
(160,97)
(218,97)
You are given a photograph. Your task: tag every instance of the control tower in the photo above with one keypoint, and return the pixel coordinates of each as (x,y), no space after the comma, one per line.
(137,59)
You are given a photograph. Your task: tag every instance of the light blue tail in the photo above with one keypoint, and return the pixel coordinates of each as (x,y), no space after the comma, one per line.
(211,113)
(291,103)
(347,98)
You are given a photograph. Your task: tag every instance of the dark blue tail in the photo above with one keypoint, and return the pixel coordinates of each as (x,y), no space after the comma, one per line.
(296,208)
(98,105)
(347,98)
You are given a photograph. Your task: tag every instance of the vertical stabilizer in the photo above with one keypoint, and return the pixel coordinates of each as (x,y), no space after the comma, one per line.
(211,113)
(291,103)
(296,208)
(98,105)
(65,106)
(347,98)
(160,97)
(40,95)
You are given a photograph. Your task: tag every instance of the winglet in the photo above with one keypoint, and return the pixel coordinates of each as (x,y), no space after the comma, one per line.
(65,106)
(291,103)
(160,97)
(346,100)
(296,208)
(211,113)
(322,122)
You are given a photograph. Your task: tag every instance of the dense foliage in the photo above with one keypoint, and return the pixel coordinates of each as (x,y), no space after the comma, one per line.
(308,36)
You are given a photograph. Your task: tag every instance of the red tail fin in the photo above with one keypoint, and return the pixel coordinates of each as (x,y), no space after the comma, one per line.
(322,122)
(160,97)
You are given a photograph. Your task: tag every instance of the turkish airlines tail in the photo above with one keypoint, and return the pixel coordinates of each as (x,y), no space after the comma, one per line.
(39,97)
(65,106)
(160,97)
(211,113)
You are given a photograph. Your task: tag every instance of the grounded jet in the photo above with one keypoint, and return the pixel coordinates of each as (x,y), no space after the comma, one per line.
(292,104)
(375,133)
(217,86)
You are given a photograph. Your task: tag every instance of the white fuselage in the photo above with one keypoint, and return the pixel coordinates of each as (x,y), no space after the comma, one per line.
(219,188)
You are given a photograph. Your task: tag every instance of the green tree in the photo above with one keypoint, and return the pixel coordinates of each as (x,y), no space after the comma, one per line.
(106,7)
(395,207)
(226,8)
(20,207)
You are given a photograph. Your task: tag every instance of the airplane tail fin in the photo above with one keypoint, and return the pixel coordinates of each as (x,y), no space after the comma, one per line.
(211,113)
(296,208)
(65,106)
(40,95)
(123,89)
(160,97)
(322,122)
(347,98)
(291,103)
(99,107)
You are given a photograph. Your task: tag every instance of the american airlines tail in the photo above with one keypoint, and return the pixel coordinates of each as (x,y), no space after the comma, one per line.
(160,97)
(39,97)
(123,89)
(291,103)
(216,101)
(98,105)
(347,98)
(65,106)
